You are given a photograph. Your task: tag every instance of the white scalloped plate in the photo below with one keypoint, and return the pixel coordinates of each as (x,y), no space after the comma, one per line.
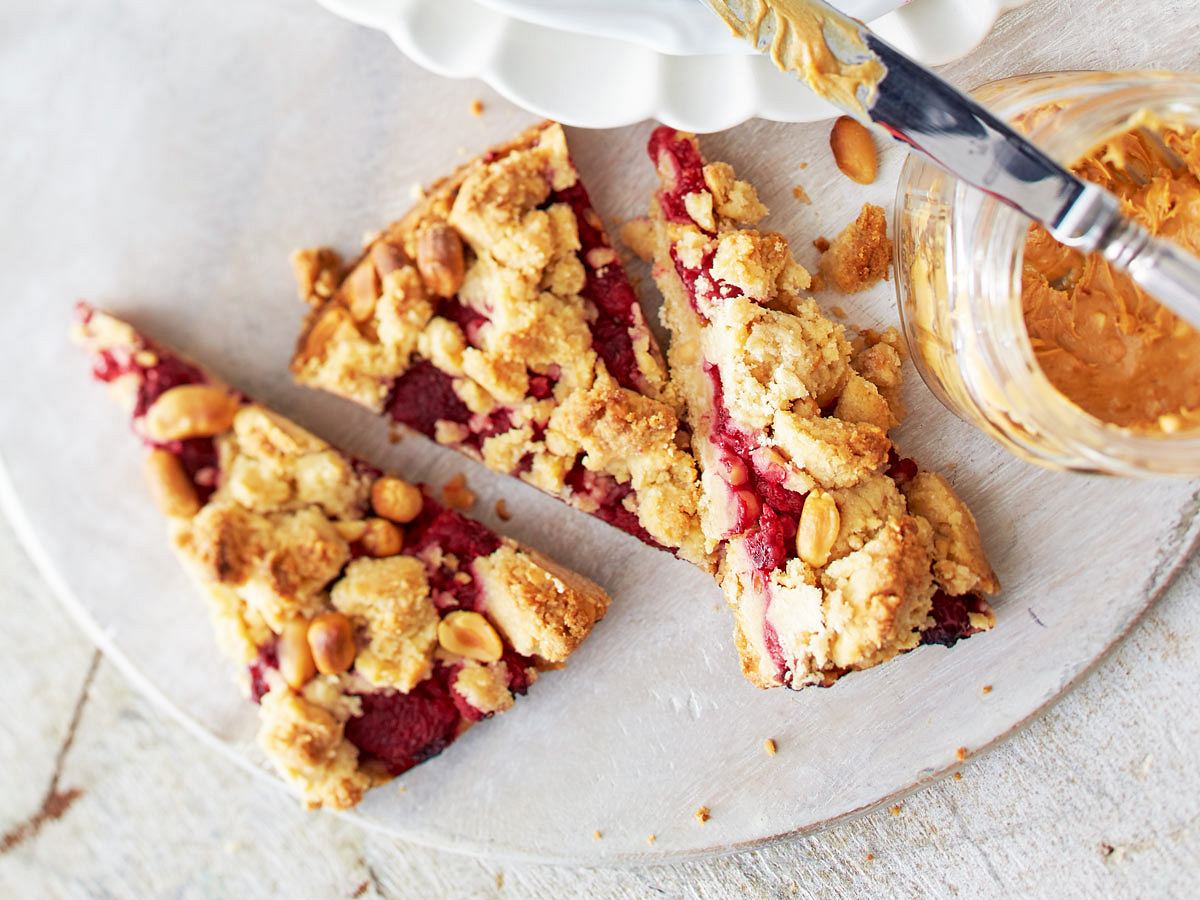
(678,27)
(601,82)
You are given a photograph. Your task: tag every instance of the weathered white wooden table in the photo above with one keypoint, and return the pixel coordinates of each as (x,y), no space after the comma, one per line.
(100,795)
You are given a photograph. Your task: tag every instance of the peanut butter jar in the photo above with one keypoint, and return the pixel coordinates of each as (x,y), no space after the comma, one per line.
(966,294)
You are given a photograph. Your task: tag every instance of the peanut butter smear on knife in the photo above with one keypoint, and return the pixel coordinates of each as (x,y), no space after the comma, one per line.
(800,31)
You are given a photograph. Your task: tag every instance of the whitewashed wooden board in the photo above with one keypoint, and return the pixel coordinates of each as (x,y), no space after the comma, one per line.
(184,222)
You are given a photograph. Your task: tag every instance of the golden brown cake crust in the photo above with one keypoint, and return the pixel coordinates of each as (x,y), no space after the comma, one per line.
(777,393)
(506,320)
(271,547)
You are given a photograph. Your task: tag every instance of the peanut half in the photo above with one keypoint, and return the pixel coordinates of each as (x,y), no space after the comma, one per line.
(396,499)
(817,532)
(440,260)
(190,411)
(172,490)
(331,640)
(469,634)
(854,150)
(296,663)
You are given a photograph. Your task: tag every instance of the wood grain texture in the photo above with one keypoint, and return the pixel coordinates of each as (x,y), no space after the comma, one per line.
(1097,797)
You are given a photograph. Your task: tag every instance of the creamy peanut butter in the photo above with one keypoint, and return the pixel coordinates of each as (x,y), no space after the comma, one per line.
(1103,342)
(800,44)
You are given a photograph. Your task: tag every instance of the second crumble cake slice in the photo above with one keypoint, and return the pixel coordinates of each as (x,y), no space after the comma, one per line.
(497,319)
(835,554)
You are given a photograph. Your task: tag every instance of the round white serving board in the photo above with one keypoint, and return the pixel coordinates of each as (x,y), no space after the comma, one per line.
(595,80)
(171,188)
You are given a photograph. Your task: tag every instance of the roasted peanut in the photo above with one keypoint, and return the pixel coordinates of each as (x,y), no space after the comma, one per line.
(854,150)
(469,634)
(331,640)
(819,525)
(440,260)
(172,490)
(360,291)
(381,538)
(322,331)
(190,411)
(396,499)
(388,257)
(296,663)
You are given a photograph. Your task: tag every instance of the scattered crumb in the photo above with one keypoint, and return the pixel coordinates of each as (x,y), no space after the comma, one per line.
(839,312)
(801,194)
(476,107)
(460,151)
(401,788)
(822,244)
(803,165)
(987,689)
(895,810)
(769,746)
(703,815)
(456,493)
(870,856)
(638,235)
(502,512)
(597,834)
(361,889)
(416,191)
(395,435)
(960,754)
(958,776)
(1112,855)
(499,880)
(859,257)
(232,847)
(651,838)
(1144,768)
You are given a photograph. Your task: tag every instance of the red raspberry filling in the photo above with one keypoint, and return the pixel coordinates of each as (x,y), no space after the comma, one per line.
(402,730)
(268,658)
(609,290)
(951,618)
(608,493)
(424,395)
(670,152)
(767,512)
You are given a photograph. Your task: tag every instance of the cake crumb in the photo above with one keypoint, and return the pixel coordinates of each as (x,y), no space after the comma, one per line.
(456,493)
(416,191)
(769,746)
(839,312)
(859,257)
(987,689)
(638,235)
(870,856)
(395,436)
(822,244)
(598,834)
(476,107)
(703,814)
(651,838)
(895,810)
(960,754)
(801,194)
(958,776)
(502,512)
(803,165)
(361,889)
(816,283)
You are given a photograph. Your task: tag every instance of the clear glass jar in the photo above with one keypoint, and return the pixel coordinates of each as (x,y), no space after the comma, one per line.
(958,278)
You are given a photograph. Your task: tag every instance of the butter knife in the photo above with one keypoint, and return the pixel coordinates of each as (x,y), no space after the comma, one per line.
(846,63)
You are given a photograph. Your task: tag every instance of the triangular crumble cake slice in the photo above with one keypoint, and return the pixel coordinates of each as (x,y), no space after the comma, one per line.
(373,625)
(497,319)
(835,554)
